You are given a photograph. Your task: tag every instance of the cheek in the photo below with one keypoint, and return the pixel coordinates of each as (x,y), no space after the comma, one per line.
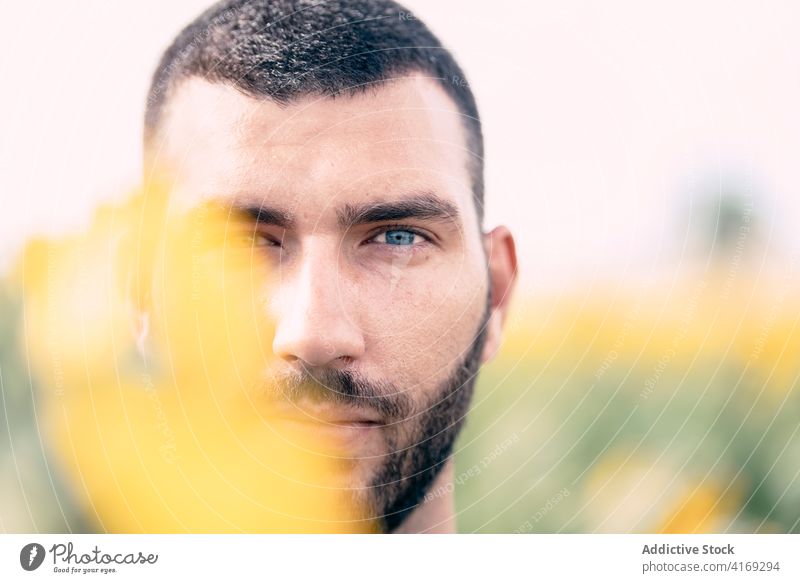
(420,321)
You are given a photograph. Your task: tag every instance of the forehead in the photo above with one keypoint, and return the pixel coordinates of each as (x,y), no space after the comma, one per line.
(404,135)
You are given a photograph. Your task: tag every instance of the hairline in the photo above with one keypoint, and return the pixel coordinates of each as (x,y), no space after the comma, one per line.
(473,168)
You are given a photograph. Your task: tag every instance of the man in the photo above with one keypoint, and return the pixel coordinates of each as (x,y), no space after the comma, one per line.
(347,139)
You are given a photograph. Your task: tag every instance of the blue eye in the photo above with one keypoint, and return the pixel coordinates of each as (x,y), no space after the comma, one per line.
(399,237)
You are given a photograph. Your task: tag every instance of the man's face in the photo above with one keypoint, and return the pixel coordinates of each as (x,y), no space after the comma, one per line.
(362,209)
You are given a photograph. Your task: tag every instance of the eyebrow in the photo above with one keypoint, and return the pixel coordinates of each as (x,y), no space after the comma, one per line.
(421,206)
(426,206)
(264,215)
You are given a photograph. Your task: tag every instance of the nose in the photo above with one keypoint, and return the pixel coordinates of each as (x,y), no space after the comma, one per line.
(313,327)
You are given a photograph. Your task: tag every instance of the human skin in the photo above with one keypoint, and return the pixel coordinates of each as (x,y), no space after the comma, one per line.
(403,308)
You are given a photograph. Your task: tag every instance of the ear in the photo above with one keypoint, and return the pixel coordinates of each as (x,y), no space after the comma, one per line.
(134,289)
(502,261)
(140,223)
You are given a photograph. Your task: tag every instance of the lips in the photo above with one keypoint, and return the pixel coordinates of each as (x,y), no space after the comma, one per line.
(337,431)
(333,416)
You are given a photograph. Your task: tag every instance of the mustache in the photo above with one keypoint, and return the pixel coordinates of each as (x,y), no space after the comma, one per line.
(338,387)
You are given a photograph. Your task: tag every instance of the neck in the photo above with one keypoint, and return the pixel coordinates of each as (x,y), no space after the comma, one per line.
(436,513)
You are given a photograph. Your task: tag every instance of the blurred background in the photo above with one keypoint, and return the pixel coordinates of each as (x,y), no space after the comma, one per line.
(644,156)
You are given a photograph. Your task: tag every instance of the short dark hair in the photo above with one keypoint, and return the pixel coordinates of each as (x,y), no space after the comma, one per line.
(284,49)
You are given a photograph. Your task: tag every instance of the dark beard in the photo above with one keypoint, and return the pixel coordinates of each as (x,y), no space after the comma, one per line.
(422,442)
(411,468)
